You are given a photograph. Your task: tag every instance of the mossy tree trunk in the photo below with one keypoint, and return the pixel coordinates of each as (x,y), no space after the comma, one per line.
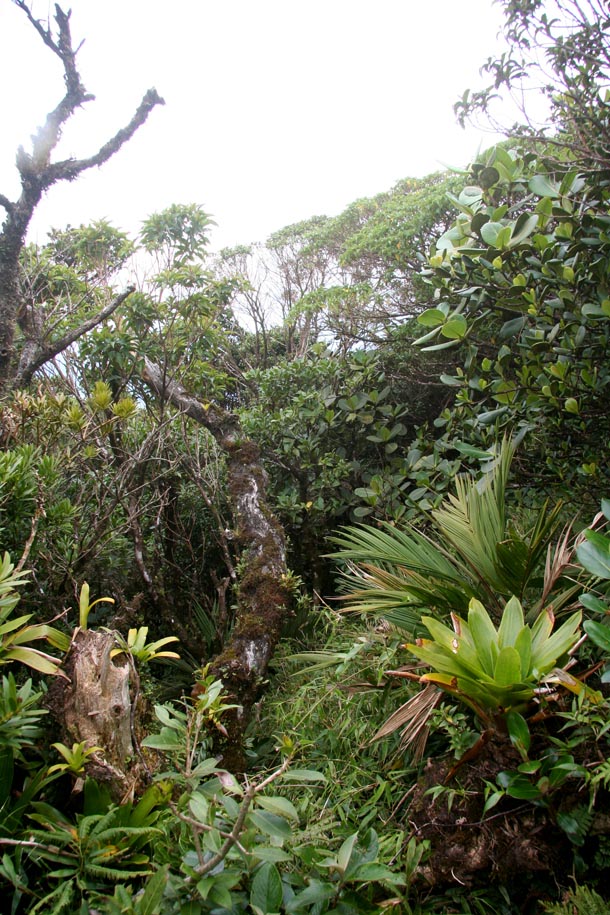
(263,599)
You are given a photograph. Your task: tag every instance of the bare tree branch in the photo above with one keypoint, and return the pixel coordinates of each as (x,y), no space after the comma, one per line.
(38,173)
(68,169)
(33,359)
(6,203)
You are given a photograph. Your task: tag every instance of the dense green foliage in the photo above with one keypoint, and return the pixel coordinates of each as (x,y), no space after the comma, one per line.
(426,376)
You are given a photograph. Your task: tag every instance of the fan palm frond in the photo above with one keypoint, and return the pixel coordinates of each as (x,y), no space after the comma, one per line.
(471,551)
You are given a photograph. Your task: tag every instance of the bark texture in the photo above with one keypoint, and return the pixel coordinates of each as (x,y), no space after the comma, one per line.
(96,705)
(37,174)
(263,599)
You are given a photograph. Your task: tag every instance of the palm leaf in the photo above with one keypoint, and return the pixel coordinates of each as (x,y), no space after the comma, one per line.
(413,717)
(473,521)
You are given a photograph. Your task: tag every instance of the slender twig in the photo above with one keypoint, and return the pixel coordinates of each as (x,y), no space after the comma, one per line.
(38,514)
(232,838)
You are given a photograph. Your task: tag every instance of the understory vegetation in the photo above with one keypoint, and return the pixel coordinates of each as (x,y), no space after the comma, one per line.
(305,572)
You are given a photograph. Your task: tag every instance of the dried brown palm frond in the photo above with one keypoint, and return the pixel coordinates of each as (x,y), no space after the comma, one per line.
(558,558)
(413,718)
(558,562)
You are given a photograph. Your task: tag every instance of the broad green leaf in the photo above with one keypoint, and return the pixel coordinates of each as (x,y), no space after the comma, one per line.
(432,317)
(471,451)
(455,328)
(512,328)
(269,853)
(490,416)
(523,228)
(346,851)
(33,634)
(541,630)
(149,902)
(371,871)
(270,824)
(205,767)
(542,187)
(33,658)
(594,554)
(199,807)
(303,775)
(593,603)
(169,717)
(431,335)
(11,625)
(439,346)
(490,232)
(457,647)
(492,800)
(443,636)
(484,635)
(518,786)
(557,644)
(511,623)
(279,805)
(57,639)
(313,895)
(451,381)
(266,889)
(518,731)
(167,741)
(531,766)
(508,667)
(439,659)
(598,633)
(523,644)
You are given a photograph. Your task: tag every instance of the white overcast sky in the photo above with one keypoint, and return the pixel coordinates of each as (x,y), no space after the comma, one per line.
(276,110)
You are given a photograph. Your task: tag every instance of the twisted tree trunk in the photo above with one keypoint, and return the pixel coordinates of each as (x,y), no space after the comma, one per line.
(263,599)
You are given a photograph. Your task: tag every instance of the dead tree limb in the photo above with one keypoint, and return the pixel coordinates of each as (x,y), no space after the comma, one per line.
(37,174)
(34,353)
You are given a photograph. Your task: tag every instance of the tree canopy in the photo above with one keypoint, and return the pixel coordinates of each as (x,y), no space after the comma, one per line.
(309,537)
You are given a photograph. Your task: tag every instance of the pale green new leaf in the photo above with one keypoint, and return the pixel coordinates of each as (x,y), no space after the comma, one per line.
(523,644)
(459,646)
(511,623)
(484,635)
(507,671)
(558,644)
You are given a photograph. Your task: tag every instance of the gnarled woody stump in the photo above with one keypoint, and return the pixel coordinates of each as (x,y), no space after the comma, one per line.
(262,597)
(95,705)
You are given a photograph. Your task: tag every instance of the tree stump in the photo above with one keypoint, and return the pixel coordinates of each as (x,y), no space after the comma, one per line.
(95,705)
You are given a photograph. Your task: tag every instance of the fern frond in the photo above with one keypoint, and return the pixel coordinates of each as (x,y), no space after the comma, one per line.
(580,901)
(115,874)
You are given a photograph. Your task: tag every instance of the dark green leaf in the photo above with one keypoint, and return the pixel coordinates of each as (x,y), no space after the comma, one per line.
(594,554)
(542,187)
(598,633)
(518,731)
(266,890)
